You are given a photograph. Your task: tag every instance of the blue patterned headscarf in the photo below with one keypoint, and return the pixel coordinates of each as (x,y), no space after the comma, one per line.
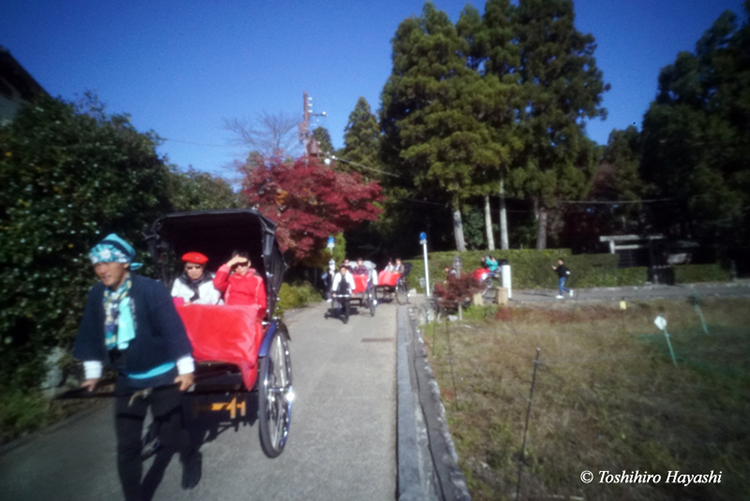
(114,249)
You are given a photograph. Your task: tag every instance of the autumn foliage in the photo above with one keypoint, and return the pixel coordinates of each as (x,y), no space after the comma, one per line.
(309,201)
(457,289)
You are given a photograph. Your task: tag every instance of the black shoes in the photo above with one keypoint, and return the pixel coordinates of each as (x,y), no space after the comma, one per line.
(346,320)
(191,470)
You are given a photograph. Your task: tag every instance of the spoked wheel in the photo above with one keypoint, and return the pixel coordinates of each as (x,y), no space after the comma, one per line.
(275,397)
(488,288)
(402,295)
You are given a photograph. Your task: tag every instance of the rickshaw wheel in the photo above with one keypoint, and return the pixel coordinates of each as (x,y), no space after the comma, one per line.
(275,397)
(402,295)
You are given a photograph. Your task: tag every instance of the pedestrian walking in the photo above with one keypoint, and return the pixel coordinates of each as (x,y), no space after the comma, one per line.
(562,274)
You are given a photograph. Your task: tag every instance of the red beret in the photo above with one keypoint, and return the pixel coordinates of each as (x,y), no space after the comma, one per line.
(195,257)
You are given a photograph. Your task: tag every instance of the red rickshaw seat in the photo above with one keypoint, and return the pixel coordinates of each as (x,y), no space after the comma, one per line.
(388,278)
(361,283)
(230,334)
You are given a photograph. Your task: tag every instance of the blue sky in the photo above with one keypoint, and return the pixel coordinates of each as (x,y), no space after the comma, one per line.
(181,67)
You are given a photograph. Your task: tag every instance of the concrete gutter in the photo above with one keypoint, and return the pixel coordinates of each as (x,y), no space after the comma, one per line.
(427,460)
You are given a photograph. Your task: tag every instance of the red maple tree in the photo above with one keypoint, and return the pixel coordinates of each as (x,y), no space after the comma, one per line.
(309,201)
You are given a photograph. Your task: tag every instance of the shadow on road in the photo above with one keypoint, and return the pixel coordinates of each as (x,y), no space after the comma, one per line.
(207,417)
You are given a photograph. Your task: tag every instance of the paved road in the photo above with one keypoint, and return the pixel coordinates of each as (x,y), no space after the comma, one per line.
(342,443)
(605,294)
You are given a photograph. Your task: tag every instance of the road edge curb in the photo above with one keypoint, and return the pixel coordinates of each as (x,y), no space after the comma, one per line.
(427,460)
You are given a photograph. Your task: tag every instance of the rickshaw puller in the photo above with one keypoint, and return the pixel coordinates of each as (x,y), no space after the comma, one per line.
(130,323)
(343,286)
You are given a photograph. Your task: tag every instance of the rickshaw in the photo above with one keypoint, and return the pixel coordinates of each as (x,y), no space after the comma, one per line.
(390,284)
(241,352)
(363,293)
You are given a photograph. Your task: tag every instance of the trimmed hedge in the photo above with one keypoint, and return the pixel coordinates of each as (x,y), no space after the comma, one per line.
(532,269)
(691,273)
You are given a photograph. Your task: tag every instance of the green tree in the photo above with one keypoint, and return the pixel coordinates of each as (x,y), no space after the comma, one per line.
(362,139)
(195,190)
(561,88)
(323,137)
(493,53)
(431,106)
(68,176)
(696,140)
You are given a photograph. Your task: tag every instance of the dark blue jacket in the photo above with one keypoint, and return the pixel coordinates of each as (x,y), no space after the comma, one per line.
(159,332)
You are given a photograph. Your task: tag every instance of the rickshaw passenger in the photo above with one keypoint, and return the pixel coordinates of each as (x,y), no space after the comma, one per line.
(389,267)
(130,323)
(399,267)
(195,285)
(360,268)
(343,286)
(240,283)
(491,264)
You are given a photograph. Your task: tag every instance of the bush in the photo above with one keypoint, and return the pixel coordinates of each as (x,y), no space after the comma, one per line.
(20,412)
(457,289)
(532,269)
(691,273)
(296,296)
(68,177)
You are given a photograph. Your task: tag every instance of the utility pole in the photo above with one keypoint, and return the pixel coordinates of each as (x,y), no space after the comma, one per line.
(312,149)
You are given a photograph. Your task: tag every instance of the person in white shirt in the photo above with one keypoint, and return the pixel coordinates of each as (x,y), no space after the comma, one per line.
(343,286)
(195,285)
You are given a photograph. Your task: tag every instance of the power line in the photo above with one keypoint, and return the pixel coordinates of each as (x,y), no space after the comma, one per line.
(365,167)
(647,201)
(197,144)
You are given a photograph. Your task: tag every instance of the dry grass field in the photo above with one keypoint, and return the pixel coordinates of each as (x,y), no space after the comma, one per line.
(607,397)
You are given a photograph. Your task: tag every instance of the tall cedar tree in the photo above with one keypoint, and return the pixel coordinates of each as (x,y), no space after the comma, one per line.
(310,202)
(493,53)
(562,87)
(362,138)
(696,140)
(429,112)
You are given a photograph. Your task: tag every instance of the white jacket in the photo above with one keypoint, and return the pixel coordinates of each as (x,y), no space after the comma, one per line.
(349,280)
(206,290)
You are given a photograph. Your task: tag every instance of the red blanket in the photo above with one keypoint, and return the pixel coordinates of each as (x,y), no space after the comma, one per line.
(361,283)
(388,278)
(480,274)
(231,334)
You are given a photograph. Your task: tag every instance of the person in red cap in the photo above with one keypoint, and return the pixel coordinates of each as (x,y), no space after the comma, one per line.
(240,283)
(195,285)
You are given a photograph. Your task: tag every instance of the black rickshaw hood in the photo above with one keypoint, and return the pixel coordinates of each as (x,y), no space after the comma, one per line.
(216,233)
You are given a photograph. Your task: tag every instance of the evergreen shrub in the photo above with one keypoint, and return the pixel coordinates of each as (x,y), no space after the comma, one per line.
(296,296)
(691,273)
(532,269)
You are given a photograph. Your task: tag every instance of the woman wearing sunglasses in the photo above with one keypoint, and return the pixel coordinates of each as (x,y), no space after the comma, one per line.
(240,283)
(195,285)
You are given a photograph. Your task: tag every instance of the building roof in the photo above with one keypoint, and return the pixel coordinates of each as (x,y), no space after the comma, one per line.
(14,74)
